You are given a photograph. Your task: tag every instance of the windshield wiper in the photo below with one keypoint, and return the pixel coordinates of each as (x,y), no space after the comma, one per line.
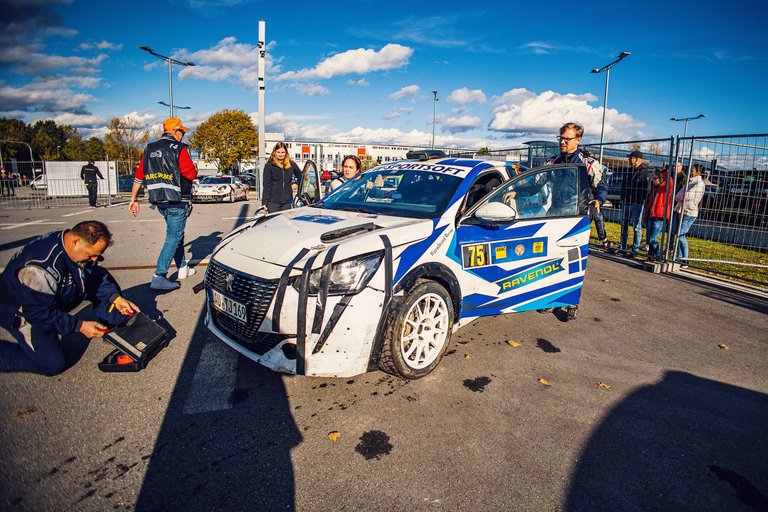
(357,210)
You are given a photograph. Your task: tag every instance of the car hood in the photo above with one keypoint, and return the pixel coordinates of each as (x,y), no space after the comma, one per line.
(206,187)
(280,238)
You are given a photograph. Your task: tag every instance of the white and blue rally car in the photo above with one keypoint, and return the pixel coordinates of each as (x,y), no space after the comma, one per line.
(381,272)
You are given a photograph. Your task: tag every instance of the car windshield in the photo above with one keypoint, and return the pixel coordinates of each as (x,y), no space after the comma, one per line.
(216,181)
(402,193)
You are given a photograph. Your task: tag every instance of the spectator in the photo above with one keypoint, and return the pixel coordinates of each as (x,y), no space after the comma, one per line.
(3,183)
(278,173)
(570,152)
(88,174)
(634,193)
(168,172)
(657,210)
(46,280)
(687,201)
(350,167)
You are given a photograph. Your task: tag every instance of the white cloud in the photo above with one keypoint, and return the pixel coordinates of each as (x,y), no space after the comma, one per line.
(359,82)
(44,95)
(359,61)
(521,111)
(397,113)
(461,124)
(101,45)
(465,95)
(309,89)
(81,120)
(31,62)
(409,91)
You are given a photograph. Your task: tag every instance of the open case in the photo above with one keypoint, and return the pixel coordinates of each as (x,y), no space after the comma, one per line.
(136,342)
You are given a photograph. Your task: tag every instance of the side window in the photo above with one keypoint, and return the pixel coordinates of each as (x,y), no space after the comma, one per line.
(552,192)
(484,185)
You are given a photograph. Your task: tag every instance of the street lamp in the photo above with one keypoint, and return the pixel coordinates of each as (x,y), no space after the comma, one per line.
(434,114)
(685,130)
(175,107)
(170,62)
(607,69)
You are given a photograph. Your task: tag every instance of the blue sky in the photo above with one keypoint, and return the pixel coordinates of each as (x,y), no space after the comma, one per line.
(364,71)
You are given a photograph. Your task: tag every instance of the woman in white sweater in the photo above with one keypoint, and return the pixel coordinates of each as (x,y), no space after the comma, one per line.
(687,202)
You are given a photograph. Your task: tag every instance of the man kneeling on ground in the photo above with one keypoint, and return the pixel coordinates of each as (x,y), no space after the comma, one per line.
(46,280)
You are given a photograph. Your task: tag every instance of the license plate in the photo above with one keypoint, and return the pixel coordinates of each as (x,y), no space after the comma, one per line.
(229,307)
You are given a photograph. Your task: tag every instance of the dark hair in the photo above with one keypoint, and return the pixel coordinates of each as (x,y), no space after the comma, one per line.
(90,162)
(92,231)
(355,159)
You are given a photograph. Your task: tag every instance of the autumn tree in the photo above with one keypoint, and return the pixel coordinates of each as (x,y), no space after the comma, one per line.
(227,137)
(484,151)
(367,162)
(125,140)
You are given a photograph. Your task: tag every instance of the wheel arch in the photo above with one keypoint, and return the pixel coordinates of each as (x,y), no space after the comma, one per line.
(437,272)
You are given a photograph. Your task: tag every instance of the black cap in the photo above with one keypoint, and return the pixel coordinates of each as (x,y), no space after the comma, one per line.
(635,153)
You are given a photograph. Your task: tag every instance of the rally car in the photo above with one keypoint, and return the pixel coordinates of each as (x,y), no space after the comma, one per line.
(381,272)
(220,188)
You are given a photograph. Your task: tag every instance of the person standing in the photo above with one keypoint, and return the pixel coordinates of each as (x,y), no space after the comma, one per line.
(657,210)
(634,193)
(46,280)
(687,201)
(89,174)
(571,152)
(168,171)
(279,172)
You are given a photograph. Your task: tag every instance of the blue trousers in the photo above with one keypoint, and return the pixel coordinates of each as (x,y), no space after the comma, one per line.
(631,215)
(655,225)
(682,241)
(173,248)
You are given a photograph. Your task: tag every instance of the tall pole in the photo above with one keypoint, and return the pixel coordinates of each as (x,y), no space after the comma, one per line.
(262,89)
(685,129)
(434,115)
(170,88)
(607,70)
(170,62)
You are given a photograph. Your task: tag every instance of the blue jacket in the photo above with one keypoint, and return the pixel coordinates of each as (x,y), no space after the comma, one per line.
(594,170)
(43,285)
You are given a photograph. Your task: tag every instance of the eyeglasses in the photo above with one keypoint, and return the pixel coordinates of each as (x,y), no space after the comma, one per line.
(566,139)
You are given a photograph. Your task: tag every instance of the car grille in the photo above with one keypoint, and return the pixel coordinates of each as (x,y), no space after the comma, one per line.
(256,294)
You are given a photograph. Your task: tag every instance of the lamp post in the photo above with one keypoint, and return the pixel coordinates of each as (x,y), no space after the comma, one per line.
(175,108)
(685,130)
(170,62)
(434,114)
(607,69)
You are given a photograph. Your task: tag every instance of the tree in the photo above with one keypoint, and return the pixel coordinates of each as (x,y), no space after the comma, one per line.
(14,130)
(125,140)
(484,151)
(367,162)
(227,137)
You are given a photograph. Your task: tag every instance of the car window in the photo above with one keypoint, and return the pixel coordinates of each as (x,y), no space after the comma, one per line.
(212,180)
(403,193)
(544,193)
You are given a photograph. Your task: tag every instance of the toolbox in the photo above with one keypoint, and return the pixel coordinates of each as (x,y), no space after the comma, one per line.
(136,342)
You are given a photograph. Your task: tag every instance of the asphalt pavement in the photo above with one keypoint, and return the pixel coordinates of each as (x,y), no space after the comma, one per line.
(655,398)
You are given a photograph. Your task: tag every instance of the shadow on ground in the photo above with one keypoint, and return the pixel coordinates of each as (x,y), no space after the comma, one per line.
(686,443)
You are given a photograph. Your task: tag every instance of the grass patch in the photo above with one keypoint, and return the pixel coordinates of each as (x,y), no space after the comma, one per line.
(698,248)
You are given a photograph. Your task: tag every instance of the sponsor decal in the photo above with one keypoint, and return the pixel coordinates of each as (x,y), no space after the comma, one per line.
(156,154)
(530,275)
(319,219)
(445,236)
(475,255)
(514,250)
(500,252)
(421,167)
(538,247)
(519,249)
(158,176)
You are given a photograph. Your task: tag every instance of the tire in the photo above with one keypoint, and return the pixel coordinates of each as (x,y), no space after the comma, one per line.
(418,332)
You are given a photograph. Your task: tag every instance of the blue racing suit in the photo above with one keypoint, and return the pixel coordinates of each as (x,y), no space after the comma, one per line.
(38,289)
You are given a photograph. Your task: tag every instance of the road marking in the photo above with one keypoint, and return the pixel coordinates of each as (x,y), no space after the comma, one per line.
(214,379)
(76,213)
(29,223)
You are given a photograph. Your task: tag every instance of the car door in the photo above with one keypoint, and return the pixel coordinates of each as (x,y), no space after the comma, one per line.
(525,245)
(309,186)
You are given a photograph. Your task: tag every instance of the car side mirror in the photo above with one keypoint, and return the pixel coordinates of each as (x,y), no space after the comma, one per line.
(496,213)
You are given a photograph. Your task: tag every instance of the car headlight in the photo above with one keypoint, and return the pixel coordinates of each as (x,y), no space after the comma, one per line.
(347,277)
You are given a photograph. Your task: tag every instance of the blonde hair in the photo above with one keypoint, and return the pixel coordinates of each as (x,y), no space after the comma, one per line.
(286,161)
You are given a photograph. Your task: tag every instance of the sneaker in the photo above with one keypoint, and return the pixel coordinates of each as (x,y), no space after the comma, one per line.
(645,248)
(607,245)
(163,283)
(185,272)
(683,267)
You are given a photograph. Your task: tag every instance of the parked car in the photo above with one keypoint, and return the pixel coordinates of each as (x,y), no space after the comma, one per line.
(39,183)
(125,184)
(249,179)
(220,188)
(613,182)
(381,272)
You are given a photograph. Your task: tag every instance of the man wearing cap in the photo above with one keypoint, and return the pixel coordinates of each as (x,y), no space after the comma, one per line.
(89,174)
(634,191)
(167,171)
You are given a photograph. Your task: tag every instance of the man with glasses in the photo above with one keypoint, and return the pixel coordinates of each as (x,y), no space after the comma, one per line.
(43,282)
(168,171)
(570,152)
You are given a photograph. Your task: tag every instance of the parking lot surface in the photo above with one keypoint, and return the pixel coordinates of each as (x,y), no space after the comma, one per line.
(655,398)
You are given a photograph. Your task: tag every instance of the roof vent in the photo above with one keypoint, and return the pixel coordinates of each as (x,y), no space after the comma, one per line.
(425,154)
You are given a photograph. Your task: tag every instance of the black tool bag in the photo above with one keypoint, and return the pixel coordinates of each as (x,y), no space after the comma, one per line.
(136,341)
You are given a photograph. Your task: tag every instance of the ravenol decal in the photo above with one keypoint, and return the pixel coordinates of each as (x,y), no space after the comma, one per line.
(531,275)
(319,219)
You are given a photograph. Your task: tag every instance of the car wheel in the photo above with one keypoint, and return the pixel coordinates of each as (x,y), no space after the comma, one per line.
(419,332)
